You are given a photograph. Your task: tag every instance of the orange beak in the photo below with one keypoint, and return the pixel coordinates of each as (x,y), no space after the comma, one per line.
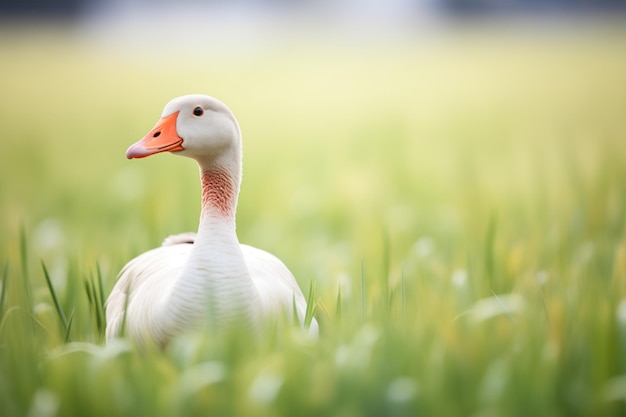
(162,138)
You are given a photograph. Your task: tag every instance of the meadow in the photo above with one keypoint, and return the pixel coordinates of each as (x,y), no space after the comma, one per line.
(454,204)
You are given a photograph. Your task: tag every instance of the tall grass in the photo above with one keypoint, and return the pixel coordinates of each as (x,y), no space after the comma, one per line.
(454,209)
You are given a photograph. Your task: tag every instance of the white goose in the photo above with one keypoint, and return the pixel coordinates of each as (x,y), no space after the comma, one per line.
(189,279)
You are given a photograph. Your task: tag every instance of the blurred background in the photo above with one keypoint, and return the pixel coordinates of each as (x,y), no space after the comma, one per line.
(450,176)
(76,8)
(364,122)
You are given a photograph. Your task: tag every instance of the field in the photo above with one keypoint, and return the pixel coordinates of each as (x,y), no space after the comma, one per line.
(455,204)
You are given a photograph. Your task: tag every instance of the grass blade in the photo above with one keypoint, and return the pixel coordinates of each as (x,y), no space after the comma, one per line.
(55,299)
(100,286)
(311,306)
(23,251)
(66,336)
(387,272)
(94,297)
(88,292)
(338,306)
(96,305)
(362,290)
(122,332)
(3,293)
(403,295)
(25,272)
(489,253)
(294,311)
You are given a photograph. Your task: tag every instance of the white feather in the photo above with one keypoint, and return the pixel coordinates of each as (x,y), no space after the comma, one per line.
(151,275)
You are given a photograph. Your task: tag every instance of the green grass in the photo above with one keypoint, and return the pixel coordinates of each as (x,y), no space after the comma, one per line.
(455,207)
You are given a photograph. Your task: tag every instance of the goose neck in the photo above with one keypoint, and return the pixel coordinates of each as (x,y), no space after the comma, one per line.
(219,196)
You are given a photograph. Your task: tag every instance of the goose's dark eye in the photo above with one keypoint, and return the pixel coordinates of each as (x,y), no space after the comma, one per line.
(198,111)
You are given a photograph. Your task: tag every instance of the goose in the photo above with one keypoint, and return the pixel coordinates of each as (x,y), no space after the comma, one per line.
(193,278)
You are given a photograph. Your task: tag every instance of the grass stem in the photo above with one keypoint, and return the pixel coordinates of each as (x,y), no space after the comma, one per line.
(55,298)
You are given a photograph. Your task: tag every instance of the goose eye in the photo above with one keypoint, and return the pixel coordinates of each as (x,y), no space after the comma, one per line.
(198,111)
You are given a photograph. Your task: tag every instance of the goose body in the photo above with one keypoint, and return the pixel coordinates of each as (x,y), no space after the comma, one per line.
(193,279)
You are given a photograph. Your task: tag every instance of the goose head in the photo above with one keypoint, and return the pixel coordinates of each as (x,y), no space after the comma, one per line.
(195,126)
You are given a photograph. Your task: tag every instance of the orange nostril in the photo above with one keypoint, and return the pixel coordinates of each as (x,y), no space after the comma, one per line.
(156,135)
